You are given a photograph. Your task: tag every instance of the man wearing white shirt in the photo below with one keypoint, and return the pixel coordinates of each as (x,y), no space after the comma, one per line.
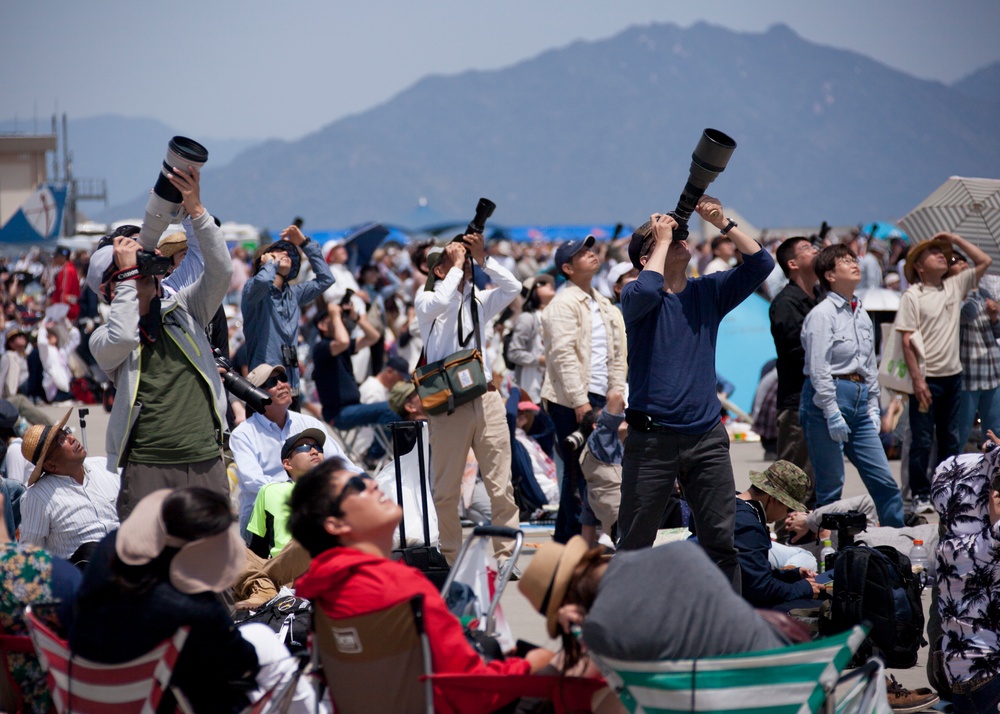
(256,443)
(443,308)
(71,500)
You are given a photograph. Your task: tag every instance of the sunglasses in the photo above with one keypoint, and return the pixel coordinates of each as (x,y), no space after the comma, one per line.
(306,448)
(354,486)
(272,382)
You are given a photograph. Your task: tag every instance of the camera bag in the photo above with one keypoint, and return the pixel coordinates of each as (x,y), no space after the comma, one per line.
(408,436)
(877,586)
(458,378)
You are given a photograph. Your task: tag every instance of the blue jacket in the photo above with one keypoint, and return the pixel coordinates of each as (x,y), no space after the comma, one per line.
(762,586)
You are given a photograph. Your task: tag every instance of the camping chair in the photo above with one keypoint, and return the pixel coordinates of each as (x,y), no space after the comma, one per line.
(81,685)
(800,678)
(347,438)
(375,662)
(13,645)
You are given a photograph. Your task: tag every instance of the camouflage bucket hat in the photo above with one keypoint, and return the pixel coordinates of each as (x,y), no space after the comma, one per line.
(784,481)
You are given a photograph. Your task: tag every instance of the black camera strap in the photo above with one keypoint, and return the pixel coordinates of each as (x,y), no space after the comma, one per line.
(474,309)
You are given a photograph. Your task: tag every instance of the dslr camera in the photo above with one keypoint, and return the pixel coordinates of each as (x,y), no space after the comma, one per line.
(239,386)
(153,265)
(847,525)
(709,160)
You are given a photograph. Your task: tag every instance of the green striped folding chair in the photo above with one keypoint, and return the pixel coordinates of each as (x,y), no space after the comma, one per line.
(792,680)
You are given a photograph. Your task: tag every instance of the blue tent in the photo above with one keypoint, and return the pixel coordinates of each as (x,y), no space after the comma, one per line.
(743,346)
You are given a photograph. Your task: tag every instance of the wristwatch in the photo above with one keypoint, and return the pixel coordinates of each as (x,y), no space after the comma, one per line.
(729,226)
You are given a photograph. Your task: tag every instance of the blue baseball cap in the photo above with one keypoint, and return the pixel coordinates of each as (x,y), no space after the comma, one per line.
(566,251)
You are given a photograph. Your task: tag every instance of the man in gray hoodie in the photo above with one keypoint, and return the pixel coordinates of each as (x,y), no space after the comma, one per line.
(169,412)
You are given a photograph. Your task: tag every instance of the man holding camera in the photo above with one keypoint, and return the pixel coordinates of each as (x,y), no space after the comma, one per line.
(675,431)
(443,307)
(167,421)
(272,308)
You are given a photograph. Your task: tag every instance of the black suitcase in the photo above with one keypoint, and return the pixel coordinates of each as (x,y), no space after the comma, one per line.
(408,439)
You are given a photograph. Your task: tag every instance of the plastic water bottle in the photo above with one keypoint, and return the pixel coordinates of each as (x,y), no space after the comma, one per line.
(827,551)
(918,561)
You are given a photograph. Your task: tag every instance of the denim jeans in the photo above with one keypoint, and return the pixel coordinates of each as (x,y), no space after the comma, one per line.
(863,447)
(941,420)
(983,402)
(357,415)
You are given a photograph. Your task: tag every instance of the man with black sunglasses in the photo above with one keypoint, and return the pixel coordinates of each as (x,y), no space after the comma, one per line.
(257,443)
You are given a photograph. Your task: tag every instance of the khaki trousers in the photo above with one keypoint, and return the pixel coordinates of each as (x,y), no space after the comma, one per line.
(482,426)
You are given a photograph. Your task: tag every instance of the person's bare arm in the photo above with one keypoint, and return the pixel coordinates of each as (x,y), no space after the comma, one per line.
(920,389)
(710,210)
(341,340)
(980,261)
(371,334)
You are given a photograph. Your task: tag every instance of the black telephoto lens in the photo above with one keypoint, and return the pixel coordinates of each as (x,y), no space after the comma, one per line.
(484,209)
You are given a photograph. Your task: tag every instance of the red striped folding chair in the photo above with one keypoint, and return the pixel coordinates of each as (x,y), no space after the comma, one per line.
(80,686)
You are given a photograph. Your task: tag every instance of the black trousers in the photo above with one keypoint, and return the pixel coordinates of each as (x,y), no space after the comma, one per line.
(653,463)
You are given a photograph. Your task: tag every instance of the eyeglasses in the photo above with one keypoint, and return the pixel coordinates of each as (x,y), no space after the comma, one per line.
(272,382)
(848,260)
(306,448)
(355,485)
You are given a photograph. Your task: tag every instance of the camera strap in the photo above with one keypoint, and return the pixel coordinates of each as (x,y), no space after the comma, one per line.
(474,309)
(131,273)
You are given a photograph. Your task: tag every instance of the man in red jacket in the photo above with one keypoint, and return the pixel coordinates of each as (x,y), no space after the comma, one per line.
(66,283)
(347,525)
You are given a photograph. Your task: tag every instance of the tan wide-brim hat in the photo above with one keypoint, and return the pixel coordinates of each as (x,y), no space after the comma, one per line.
(547,578)
(172,243)
(910,267)
(38,440)
(206,565)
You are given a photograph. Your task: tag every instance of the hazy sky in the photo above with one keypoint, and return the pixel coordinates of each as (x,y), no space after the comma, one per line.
(220,69)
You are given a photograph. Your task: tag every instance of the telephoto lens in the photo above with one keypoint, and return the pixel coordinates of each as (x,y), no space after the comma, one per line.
(709,159)
(484,209)
(164,204)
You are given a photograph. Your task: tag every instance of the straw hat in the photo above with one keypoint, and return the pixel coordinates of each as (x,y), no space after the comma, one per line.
(172,243)
(38,440)
(203,565)
(547,577)
(910,267)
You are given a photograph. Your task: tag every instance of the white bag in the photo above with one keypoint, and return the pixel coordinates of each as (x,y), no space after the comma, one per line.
(893,372)
(412,500)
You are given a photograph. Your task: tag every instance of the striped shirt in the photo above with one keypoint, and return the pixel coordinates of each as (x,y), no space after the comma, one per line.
(60,515)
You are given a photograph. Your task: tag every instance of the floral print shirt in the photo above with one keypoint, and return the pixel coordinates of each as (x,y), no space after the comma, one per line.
(968,565)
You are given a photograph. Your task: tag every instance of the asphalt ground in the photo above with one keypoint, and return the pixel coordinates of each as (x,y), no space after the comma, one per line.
(525,622)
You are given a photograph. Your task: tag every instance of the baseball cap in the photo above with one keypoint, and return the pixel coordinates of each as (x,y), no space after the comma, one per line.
(317,435)
(619,269)
(401,392)
(566,251)
(400,365)
(259,374)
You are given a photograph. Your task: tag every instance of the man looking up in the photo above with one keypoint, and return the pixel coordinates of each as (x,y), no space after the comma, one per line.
(675,431)
(257,442)
(167,420)
(443,309)
(931,306)
(797,258)
(272,308)
(583,362)
(66,283)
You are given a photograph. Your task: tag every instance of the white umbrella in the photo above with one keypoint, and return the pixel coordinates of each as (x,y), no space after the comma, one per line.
(969,207)
(879,299)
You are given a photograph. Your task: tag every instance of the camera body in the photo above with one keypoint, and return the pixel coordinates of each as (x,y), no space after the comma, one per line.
(709,160)
(847,525)
(151,264)
(345,302)
(255,397)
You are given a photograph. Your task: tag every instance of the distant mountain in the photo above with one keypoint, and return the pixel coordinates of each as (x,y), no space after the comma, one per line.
(982,84)
(603,131)
(127,152)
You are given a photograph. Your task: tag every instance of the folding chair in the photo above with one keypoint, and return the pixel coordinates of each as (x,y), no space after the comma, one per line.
(79,685)
(20,647)
(801,678)
(375,662)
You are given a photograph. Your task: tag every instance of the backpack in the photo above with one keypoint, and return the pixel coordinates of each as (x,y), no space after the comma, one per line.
(877,586)
(289,616)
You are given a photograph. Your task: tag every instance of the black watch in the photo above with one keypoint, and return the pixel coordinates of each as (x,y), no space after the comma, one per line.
(729,226)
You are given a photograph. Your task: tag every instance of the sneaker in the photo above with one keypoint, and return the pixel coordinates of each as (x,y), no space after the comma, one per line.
(906,701)
(922,504)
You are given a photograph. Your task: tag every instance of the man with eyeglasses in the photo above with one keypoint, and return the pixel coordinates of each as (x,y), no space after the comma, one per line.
(674,416)
(257,443)
(169,414)
(931,306)
(796,257)
(70,501)
(268,525)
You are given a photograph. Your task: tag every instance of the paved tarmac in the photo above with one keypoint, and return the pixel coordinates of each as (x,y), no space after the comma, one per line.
(526,624)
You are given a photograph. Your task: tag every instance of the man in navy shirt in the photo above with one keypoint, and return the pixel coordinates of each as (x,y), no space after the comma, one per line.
(675,430)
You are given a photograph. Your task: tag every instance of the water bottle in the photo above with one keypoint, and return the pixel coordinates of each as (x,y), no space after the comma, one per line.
(918,562)
(827,551)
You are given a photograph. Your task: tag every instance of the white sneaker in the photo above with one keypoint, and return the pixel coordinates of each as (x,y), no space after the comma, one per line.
(922,505)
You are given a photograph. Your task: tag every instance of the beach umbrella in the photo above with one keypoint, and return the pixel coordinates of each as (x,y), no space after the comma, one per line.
(969,207)
(883,231)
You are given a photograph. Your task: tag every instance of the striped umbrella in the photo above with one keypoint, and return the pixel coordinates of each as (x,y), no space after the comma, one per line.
(969,207)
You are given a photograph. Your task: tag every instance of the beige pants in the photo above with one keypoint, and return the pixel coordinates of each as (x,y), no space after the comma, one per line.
(604,488)
(482,426)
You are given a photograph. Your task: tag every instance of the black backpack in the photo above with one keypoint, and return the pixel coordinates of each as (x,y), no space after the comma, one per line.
(877,586)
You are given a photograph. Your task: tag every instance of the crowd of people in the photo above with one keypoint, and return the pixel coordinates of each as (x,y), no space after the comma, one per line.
(595,402)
